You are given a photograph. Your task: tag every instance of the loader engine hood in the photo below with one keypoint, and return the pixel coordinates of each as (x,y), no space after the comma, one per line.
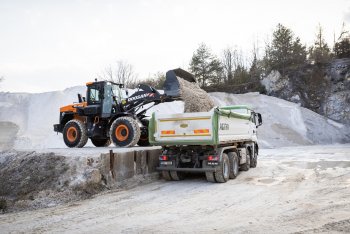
(72,107)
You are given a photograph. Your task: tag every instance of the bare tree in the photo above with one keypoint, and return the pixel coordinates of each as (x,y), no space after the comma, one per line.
(122,73)
(228,64)
(232,61)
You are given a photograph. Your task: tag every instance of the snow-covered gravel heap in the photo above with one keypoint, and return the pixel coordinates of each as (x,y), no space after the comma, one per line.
(284,123)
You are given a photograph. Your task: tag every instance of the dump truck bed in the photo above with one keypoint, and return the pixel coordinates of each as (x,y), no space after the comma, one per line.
(219,126)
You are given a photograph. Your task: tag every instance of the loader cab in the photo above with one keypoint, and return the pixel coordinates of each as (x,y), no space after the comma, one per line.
(101,97)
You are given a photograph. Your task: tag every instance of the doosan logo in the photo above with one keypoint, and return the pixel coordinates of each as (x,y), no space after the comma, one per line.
(140,96)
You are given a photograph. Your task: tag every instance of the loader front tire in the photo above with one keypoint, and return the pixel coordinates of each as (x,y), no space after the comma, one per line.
(74,134)
(125,132)
(98,142)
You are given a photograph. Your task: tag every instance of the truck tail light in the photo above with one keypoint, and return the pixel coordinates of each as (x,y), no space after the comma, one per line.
(163,158)
(213,158)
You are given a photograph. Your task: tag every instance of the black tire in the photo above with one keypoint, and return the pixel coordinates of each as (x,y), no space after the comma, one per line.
(246,166)
(176,175)
(98,142)
(74,134)
(166,175)
(144,134)
(210,177)
(125,132)
(254,159)
(223,174)
(234,170)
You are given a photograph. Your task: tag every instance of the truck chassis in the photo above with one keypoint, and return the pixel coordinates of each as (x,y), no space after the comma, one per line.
(219,163)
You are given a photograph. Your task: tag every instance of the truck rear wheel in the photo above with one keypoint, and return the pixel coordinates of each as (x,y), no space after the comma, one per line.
(98,142)
(166,175)
(254,159)
(125,132)
(74,134)
(176,175)
(246,165)
(234,164)
(223,175)
(210,177)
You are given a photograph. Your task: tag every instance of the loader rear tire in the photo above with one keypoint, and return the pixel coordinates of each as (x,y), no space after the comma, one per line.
(74,134)
(98,142)
(125,132)
(223,174)
(144,134)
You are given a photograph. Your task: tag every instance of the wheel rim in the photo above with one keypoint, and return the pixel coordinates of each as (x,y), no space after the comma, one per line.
(122,132)
(226,169)
(72,134)
(235,166)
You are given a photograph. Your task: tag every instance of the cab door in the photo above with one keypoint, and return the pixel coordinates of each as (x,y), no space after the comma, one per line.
(107,101)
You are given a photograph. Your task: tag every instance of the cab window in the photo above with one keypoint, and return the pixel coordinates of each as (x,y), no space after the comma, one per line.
(94,95)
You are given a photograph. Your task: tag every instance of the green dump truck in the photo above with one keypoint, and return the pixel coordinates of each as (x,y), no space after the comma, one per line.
(219,142)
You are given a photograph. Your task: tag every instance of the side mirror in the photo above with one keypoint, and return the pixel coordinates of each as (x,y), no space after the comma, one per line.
(259,119)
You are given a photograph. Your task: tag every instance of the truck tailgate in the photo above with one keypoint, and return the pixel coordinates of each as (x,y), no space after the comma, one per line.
(186,127)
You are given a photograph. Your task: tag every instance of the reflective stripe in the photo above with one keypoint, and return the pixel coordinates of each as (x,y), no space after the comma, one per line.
(200,131)
(168,132)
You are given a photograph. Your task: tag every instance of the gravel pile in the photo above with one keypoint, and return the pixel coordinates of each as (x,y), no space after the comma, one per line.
(195,98)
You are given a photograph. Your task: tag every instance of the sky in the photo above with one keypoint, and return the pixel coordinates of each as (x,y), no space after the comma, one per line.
(51,45)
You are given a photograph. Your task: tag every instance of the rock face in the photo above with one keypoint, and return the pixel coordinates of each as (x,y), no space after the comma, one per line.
(274,82)
(337,106)
(324,89)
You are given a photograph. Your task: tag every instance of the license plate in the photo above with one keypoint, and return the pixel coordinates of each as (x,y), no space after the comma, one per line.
(212,163)
(166,163)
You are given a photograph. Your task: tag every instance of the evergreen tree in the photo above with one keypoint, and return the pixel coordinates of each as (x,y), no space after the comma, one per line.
(206,67)
(342,48)
(284,50)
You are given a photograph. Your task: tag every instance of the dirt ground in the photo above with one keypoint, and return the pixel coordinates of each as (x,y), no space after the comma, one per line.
(297,189)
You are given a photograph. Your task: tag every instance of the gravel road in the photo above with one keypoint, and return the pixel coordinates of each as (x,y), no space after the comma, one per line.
(297,189)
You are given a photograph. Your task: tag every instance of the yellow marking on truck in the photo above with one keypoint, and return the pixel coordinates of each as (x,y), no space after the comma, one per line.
(200,131)
(181,119)
(187,135)
(168,132)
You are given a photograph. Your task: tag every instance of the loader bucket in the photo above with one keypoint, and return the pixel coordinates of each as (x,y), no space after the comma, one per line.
(172,85)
